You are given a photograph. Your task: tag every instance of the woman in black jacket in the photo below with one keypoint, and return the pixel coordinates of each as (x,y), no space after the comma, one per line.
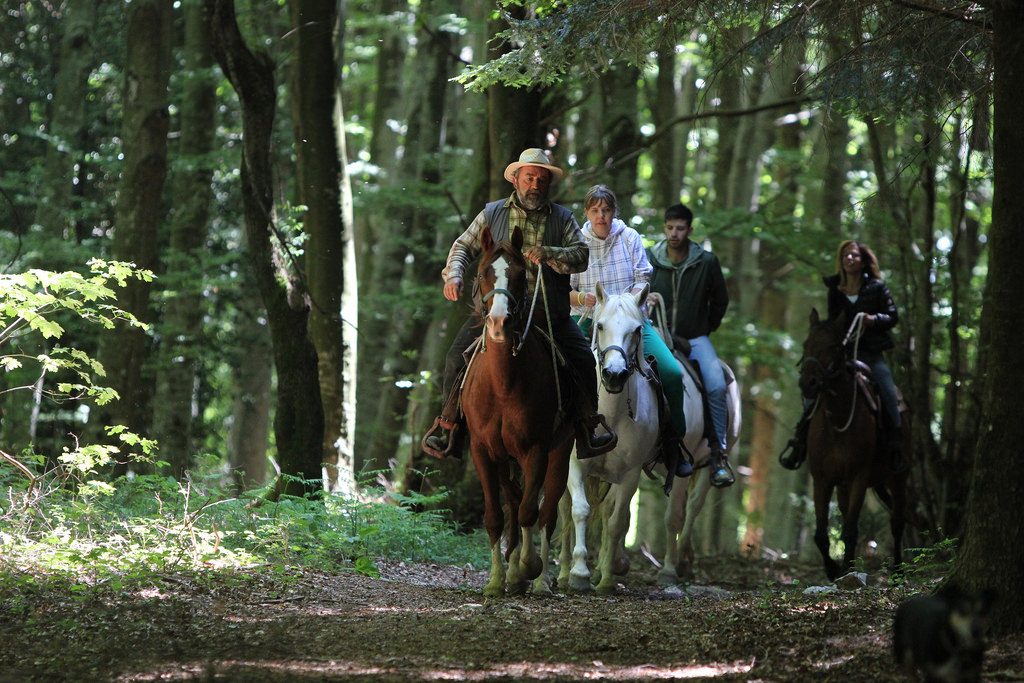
(857,287)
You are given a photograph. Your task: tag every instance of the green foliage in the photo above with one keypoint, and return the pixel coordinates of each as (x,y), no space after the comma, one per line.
(931,561)
(136,529)
(32,304)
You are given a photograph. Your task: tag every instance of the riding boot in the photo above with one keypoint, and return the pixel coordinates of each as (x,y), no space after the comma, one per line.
(589,443)
(444,438)
(795,451)
(684,463)
(721,473)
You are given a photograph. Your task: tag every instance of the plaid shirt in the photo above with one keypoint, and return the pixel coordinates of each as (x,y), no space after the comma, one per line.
(571,256)
(618,262)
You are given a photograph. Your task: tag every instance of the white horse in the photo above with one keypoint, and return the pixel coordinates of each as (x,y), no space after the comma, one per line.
(629,403)
(687,497)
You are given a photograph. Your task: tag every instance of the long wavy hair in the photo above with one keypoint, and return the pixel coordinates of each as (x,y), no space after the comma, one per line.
(867,258)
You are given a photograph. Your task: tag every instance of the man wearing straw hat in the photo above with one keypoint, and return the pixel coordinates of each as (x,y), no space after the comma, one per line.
(552,242)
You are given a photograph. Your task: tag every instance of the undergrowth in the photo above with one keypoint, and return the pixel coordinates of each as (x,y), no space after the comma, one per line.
(143,529)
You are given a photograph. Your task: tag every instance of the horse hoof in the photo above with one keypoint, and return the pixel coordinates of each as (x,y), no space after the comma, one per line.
(518,588)
(667,578)
(580,584)
(541,587)
(493,591)
(607,588)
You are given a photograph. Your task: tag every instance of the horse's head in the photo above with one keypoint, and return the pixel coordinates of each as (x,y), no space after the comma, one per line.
(618,322)
(501,280)
(824,354)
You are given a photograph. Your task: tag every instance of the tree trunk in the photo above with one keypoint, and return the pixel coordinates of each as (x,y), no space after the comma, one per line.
(319,186)
(299,417)
(181,328)
(666,151)
(56,210)
(620,133)
(124,351)
(401,330)
(251,403)
(992,554)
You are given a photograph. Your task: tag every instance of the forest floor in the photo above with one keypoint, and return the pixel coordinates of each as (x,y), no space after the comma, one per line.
(739,621)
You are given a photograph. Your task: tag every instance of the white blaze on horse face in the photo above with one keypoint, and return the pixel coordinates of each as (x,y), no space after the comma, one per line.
(499,302)
(614,330)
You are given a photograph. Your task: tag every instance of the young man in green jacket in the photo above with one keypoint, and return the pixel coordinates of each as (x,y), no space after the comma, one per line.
(690,282)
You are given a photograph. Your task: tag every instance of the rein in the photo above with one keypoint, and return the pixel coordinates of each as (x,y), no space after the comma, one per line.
(853,332)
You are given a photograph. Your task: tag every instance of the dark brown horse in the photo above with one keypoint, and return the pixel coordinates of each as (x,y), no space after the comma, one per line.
(510,399)
(844,452)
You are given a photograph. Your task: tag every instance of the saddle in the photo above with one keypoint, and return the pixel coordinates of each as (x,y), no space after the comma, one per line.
(669,447)
(867,387)
(452,417)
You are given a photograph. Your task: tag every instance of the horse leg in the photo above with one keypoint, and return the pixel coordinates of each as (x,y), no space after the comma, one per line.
(567,539)
(554,488)
(615,510)
(576,572)
(674,513)
(897,519)
(822,497)
(694,504)
(851,502)
(527,564)
(494,519)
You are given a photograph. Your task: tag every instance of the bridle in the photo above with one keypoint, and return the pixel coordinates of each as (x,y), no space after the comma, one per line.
(835,369)
(630,358)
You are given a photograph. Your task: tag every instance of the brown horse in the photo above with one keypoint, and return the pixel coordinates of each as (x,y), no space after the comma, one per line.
(511,403)
(843,448)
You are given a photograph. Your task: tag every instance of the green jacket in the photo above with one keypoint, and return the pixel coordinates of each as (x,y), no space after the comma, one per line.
(694,290)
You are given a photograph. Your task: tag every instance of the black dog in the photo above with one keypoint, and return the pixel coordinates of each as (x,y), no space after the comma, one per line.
(942,635)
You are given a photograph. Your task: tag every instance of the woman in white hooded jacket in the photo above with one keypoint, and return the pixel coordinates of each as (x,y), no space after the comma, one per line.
(618,261)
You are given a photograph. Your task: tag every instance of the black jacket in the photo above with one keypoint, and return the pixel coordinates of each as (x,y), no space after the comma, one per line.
(694,290)
(874,298)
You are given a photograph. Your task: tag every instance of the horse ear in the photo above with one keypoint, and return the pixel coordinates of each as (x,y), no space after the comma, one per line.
(517,239)
(814,319)
(641,296)
(600,294)
(487,240)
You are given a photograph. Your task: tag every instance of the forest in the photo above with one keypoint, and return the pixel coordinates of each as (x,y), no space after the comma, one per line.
(223,333)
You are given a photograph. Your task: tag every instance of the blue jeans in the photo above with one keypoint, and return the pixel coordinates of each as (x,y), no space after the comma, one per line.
(711,372)
(886,385)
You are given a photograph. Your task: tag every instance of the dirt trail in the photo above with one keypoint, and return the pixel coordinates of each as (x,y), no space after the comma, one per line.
(428,622)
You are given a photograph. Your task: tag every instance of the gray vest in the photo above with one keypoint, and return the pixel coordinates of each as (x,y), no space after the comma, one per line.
(556,285)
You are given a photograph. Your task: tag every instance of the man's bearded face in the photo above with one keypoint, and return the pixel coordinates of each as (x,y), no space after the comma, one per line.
(532,184)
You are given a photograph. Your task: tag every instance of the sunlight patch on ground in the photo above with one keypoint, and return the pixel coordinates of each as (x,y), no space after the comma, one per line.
(517,670)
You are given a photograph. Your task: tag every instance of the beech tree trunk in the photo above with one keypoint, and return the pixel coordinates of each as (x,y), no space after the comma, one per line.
(299,417)
(56,209)
(182,324)
(124,351)
(992,553)
(319,184)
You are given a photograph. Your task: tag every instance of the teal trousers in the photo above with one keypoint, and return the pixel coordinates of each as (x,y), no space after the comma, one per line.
(669,371)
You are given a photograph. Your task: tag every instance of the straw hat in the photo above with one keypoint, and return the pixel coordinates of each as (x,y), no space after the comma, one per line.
(533,157)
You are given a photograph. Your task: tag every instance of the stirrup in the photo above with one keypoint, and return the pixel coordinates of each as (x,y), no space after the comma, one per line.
(586,431)
(441,422)
(721,464)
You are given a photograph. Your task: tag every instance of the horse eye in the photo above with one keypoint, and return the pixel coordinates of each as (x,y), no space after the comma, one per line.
(600,326)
